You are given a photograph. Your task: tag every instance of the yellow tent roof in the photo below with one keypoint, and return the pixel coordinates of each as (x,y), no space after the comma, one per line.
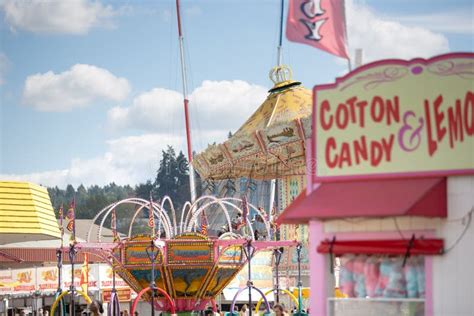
(26,213)
(271,143)
(279,107)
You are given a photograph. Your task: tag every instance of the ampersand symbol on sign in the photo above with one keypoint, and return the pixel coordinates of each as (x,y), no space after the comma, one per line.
(415,136)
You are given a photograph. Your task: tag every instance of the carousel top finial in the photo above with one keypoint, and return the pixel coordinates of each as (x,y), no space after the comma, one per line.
(282,77)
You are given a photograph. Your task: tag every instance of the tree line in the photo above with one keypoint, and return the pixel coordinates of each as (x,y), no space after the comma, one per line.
(172,179)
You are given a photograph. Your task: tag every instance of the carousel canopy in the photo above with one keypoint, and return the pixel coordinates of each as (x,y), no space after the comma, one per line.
(271,144)
(26,213)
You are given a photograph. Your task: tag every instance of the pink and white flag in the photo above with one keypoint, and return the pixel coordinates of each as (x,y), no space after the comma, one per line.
(319,23)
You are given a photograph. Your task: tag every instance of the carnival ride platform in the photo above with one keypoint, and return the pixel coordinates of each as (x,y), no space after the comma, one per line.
(186,268)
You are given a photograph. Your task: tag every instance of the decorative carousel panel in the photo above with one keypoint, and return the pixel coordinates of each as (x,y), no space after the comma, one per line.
(187,281)
(135,252)
(231,255)
(143,277)
(132,281)
(191,236)
(248,167)
(190,252)
(220,280)
(277,135)
(307,126)
(242,146)
(216,157)
(201,165)
(293,151)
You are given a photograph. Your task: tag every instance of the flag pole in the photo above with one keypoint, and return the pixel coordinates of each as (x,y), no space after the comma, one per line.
(72,256)
(186,103)
(59,256)
(279,62)
(150,251)
(279,49)
(349,64)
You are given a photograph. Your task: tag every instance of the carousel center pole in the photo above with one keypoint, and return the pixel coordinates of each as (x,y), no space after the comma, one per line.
(152,254)
(150,250)
(279,61)
(186,103)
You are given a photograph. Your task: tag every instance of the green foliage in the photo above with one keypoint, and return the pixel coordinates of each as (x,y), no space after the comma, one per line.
(89,201)
(172,179)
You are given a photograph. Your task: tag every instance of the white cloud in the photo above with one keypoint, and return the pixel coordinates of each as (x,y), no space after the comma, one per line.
(77,87)
(128,160)
(215,105)
(381,37)
(60,17)
(222,106)
(148,110)
(4,65)
(459,21)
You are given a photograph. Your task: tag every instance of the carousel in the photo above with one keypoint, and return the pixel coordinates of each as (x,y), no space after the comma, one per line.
(177,266)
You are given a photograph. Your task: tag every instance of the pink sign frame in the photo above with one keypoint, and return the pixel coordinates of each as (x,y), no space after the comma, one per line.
(311,159)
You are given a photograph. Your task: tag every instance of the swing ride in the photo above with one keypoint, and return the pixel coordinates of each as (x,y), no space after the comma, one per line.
(177,267)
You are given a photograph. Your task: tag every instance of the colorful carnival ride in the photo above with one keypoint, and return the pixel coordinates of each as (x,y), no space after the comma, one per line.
(177,266)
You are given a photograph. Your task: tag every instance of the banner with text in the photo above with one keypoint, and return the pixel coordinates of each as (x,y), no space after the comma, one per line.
(396,118)
(45,279)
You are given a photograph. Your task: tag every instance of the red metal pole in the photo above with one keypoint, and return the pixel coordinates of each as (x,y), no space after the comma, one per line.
(186,102)
(179,18)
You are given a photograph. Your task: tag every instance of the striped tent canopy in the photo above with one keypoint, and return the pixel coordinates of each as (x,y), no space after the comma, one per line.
(271,143)
(26,213)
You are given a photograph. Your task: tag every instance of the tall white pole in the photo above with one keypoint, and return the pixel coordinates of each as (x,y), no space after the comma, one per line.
(184,77)
(279,62)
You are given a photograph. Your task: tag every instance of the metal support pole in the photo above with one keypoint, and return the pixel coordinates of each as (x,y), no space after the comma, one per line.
(152,255)
(72,255)
(279,49)
(277,253)
(115,306)
(186,102)
(249,253)
(59,256)
(279,61)
(272,198)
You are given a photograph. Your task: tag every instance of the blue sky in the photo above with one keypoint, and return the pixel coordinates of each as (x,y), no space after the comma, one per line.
(90,90)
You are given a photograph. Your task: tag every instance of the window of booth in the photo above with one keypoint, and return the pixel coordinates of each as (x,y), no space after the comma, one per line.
(378,285)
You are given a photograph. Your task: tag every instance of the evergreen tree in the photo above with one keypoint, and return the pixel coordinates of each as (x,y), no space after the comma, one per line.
(70,192)
(182,185)
(166,177)
(143,190)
